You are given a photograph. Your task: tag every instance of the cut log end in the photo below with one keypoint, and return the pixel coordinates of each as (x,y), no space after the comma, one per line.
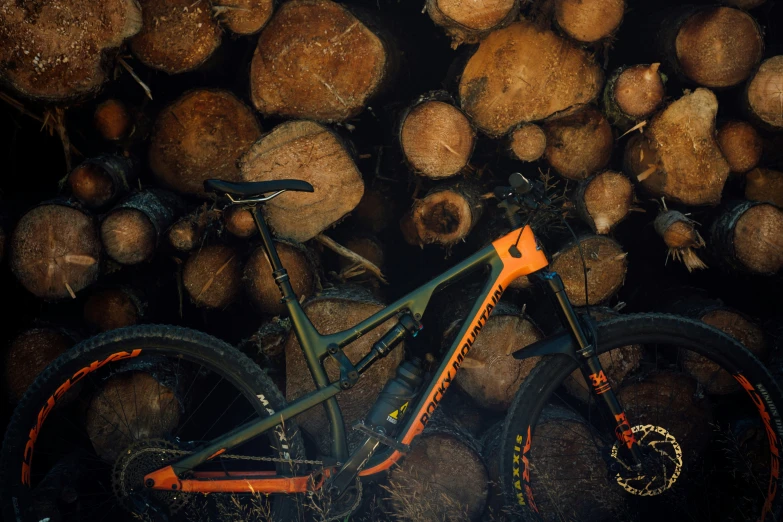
(375,211)
(764,185)
(244,16)
(765,92)
(112,120)
(714,379)
(443,217)
(55,51)
(263,289)
(128,236)
(606,267)
(579,145)
(589,20)
(501,85)
(315,88)
(311,152)
(29,354)
(201,136)
(55,251)
(681,237)
(436,455)
(437,139)
(758,239)
(639,91)
(239,221)
(528,142)
(89,183)
(719,46)
(212,276)
(467,22)
(606,199)
(112,426)
(176,36)
(112,308)
(740,144)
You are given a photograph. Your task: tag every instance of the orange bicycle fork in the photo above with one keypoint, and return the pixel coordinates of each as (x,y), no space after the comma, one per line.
(514,255)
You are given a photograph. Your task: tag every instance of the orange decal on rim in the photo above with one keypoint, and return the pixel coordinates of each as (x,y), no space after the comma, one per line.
(773,442)
(27,458)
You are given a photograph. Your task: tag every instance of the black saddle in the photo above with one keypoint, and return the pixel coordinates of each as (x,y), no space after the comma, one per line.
(256,188)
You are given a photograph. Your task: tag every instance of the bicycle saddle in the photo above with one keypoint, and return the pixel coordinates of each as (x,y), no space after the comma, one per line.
(255,188)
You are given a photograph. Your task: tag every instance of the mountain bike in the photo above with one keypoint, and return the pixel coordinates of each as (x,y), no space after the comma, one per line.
(224,430)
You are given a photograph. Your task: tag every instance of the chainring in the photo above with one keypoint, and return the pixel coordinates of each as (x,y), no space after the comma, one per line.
(332,510)
(133,465)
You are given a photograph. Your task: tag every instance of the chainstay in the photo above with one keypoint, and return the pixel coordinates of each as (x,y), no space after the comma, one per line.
(183,453)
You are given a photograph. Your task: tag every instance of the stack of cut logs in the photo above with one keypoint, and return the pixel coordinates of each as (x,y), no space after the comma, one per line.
(660,145)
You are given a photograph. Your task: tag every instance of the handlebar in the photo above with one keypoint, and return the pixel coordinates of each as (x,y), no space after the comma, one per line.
(521,193)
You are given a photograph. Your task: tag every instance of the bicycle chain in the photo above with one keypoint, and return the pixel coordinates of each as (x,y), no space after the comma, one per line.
(249,457)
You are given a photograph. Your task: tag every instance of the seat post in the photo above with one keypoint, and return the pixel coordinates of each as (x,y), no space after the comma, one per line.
(279,272)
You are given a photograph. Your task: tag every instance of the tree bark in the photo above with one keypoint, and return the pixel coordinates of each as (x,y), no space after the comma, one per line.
(604,200)
(763,93)
(212,276)
(313,153)
(680,235)
(765,185)
(112,120)
(527,142)
(201,136)
(444,216)
(588,21)
(436,137)
(177,35)
(98,182)
(500,85)
(416,488)
(633,94)
(469,22)
(606,265)
(263,290)
(132,231)
(741,145)
(678,157)
(188,232)
(580,144)
(334,310)
(55,251)
(29,353)
(747,236)
(712,46)
(57,51)
(332,84)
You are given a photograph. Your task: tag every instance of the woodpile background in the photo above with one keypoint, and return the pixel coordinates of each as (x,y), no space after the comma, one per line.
(658,127)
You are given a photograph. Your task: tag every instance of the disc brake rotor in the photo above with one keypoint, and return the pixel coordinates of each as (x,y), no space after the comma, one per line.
(665,462)
(129,471)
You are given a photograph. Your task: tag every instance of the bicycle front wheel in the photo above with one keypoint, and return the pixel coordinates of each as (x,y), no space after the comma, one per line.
(127,402)
(704,410)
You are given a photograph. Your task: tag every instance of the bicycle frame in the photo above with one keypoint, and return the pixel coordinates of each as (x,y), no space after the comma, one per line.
(514,255)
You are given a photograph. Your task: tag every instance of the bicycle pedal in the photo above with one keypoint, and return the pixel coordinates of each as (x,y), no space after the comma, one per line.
(383,439)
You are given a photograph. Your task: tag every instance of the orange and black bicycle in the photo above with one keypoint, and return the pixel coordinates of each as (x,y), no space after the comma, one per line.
(687,452)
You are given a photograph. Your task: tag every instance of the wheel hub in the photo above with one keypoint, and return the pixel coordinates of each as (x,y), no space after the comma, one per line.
(662,467)
(129,471)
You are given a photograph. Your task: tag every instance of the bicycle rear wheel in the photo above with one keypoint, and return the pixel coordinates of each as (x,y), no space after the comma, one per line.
(125,403)
(704,410)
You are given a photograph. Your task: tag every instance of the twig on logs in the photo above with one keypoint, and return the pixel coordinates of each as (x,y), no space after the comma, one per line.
(128,68)
(349,254)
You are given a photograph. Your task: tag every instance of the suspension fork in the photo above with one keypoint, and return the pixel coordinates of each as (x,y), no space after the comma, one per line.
(608,403)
